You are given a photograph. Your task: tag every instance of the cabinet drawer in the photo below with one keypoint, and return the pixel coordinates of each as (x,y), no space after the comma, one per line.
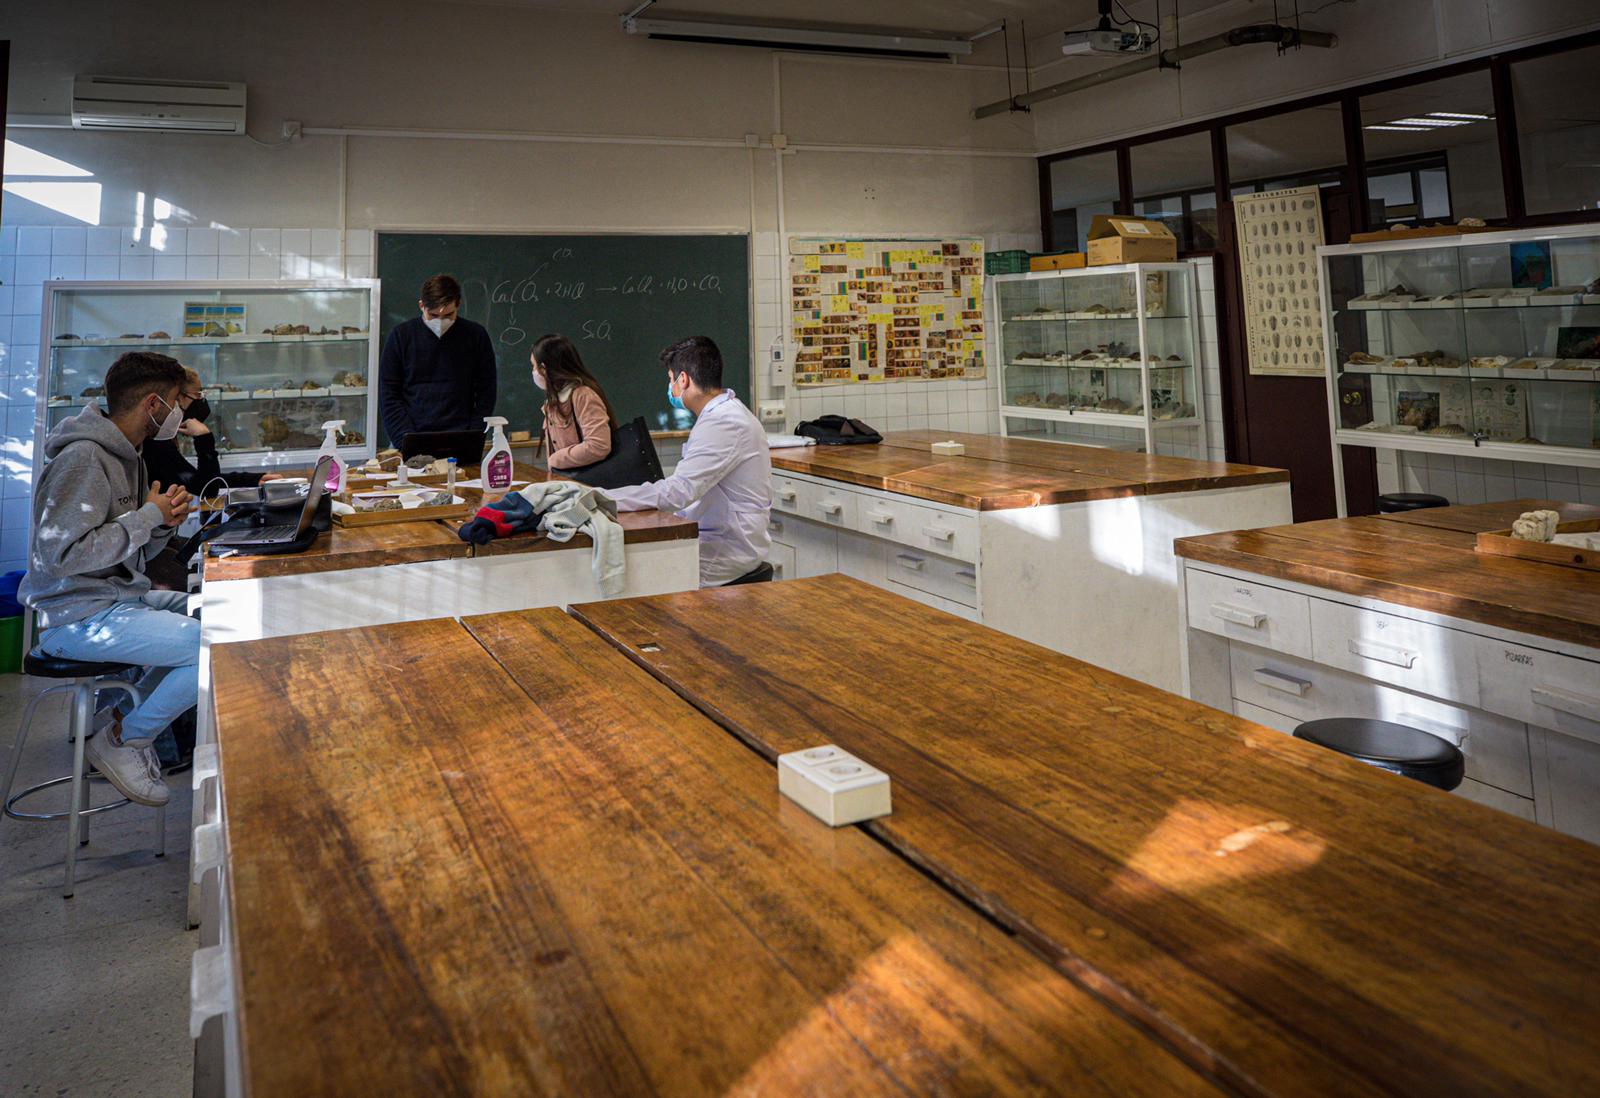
(781,557)
(951,579)
(1249,612)
(829,504)
(938,602)
(809,548)
(1488,795)
(1542,688)
(1496,749)
(928,528)
(785,495)
(1425,658)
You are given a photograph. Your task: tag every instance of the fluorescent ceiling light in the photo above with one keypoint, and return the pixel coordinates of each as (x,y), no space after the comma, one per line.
(796,36)
(1460,114)
(1400,129)
(1437,123)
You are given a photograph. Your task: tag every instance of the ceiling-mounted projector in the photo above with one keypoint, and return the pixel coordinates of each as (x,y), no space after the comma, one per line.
(1132,36)
(1106,40)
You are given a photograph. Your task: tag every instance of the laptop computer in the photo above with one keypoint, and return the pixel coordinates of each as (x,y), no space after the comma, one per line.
(256,537)
(465,446)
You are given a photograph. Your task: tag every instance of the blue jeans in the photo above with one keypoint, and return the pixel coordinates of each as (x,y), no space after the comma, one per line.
(152,632)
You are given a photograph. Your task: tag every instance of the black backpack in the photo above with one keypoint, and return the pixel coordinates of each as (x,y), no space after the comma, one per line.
(838,431)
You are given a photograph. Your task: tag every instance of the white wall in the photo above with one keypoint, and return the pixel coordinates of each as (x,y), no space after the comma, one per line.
(576,127)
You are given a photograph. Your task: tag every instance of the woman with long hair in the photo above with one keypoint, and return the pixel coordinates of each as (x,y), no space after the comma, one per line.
(578,418)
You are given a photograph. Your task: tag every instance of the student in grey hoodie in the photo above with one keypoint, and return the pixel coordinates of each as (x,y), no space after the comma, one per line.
(95,523)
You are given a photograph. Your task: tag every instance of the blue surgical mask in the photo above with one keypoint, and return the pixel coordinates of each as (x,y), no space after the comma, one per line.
(673,398)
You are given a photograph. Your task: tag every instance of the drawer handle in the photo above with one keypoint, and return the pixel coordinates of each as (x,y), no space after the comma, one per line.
(830,508)
(970,575)
(1247,618)
(938,533)
(879,518)
(786,497)
(775,526)
(1277,680)
(1567,701)
(1383,653)
(913,564)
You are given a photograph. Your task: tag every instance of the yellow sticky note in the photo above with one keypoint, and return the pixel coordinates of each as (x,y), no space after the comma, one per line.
(813,262)
(855,249)
(975,247)
(838,303)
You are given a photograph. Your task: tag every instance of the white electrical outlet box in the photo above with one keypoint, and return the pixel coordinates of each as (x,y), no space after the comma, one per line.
(949,449)
(778,372)
(833,785)
(771,411)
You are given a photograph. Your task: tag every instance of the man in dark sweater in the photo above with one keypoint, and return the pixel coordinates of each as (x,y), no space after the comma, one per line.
(438,370)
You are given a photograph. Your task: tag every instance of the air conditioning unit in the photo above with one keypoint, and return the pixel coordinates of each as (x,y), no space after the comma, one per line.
(167,106)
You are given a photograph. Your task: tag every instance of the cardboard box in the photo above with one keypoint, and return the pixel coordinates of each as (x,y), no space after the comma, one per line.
(1061,261)
(1130,240)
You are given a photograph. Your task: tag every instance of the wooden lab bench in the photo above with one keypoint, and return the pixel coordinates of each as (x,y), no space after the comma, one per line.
(1066,546)
(1397,617)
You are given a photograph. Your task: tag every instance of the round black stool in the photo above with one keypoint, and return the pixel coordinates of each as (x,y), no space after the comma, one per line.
(84,679)
(1391,503)
(1397,748)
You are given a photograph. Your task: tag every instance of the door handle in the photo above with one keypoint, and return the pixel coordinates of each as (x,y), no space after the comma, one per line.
(786,497)
(913,564)
(775,526)
(1379,652)
(1436,728)
(1247,618)
(1277,680)
(970,575)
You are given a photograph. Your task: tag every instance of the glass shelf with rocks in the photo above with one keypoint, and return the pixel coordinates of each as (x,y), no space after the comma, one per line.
(276,359)
(1100,356)
(1481,343)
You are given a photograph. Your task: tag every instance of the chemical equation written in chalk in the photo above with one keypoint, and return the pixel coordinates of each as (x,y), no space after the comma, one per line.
(529,288)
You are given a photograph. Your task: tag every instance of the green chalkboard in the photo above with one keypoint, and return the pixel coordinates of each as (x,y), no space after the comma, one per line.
(619,298)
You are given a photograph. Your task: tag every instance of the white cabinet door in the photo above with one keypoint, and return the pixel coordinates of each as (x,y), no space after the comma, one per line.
(815,548)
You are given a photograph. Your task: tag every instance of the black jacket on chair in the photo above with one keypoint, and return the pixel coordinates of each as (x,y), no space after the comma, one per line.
(164,462)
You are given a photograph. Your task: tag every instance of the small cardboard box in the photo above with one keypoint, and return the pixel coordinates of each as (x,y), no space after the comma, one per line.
(1130,240)
(1061,261)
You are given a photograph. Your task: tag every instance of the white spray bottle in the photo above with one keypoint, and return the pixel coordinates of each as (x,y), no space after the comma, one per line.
(497,462)
(330,447)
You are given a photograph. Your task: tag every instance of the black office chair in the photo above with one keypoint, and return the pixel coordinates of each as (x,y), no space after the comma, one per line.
(1397,748)
(1392,503)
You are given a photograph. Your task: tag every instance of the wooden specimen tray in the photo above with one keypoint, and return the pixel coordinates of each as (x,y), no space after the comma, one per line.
(406,514)
(1412,234)
(1501,543)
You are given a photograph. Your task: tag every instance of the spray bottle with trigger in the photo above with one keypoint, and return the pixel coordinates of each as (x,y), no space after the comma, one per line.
(497,462)
(330,447)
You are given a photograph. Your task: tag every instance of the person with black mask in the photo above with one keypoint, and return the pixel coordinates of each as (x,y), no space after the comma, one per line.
(204,475)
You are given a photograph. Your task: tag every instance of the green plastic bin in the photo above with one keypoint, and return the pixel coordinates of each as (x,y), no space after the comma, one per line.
(11,645)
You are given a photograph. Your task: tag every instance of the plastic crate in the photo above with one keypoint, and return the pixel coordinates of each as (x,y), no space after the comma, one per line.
(1005,263)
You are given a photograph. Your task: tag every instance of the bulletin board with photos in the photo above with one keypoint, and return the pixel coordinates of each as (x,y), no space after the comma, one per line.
(866,311)
(1279,232)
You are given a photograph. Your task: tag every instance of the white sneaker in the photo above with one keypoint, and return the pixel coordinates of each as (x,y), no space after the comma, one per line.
(135,771)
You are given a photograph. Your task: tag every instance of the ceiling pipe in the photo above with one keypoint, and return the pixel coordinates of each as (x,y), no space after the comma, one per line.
(1274,33)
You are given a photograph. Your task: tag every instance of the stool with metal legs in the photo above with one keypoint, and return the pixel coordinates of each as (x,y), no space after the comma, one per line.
(85,680)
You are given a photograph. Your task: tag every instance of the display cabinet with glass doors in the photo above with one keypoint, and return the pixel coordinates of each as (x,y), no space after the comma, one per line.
(276,360)
(1097,347)
(1484,344)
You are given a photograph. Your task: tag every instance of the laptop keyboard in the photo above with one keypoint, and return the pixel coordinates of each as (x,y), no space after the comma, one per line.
(284,532)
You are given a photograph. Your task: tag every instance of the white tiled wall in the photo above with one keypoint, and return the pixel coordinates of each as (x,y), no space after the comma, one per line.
(892,405)
(30,256)
(1466,480)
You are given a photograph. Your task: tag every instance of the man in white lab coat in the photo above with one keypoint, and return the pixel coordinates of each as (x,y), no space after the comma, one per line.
(723,480)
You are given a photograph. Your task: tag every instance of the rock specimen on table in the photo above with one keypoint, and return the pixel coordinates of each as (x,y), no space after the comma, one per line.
(1536,525)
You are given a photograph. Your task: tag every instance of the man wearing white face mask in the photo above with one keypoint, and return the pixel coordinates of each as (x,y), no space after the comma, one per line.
(437,372)
(95,523)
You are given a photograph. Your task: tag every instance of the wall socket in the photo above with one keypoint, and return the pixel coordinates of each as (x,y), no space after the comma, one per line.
(771,411)
(833,785)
